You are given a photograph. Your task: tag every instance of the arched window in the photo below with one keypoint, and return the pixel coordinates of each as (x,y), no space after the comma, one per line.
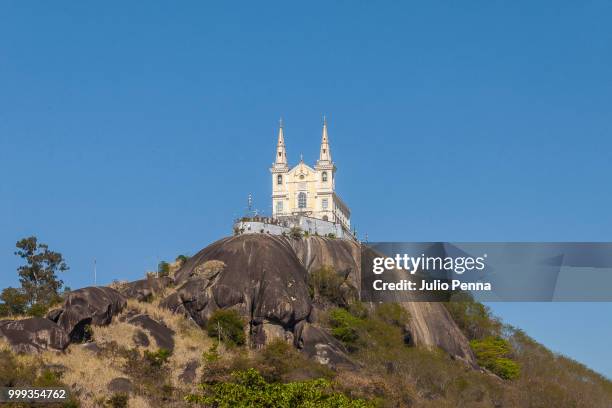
(279,179)
(324,176)
(302,200)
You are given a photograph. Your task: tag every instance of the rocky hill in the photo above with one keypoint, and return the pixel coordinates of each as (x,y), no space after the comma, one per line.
(298,316)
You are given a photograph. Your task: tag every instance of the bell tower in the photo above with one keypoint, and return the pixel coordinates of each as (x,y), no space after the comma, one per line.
(326,174)
(279,171)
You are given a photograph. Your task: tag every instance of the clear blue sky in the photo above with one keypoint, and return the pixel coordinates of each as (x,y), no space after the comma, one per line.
(133,131)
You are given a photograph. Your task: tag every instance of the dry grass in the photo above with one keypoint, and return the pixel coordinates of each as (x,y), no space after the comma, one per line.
(119,332)
(84,372)
(16,317)
(190,340)
(138,402)
(89,374)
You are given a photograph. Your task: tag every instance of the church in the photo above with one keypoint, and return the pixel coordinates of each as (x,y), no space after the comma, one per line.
(303,197)
(307,191)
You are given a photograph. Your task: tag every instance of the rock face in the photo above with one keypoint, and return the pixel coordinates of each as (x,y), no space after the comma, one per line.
(321,346)
(164,336)
(87,306)
(265,279)
(188,375)
(430,323)
(33,335)
(142,290)
(316,252)
(120,385)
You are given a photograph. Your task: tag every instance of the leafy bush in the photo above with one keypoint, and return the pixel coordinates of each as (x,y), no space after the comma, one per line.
(326,283)
(493,354)
(228,326)
(14,301)
(296,232)
(280,361)
(163,269)
(181,259)
(13,374)
(473,318)
(249,389)
(345,327)
(149,371)
(31,372)
(392,313)
(118,400)
(217,367)
(37,310)
(158,358)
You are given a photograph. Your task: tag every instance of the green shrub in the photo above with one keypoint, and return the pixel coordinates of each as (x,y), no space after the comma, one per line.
(47,378)
(345,327)
(14,302)
(249,389)
(212,355)
(149,366)
(12,373)
(37,310)
(163,269)
(30,372)
(493,354)
(358,309)
(149,372)
(392,313)
(296,232)
(473,318)
(326,283)
(228,326)
(119,400)
(158,358)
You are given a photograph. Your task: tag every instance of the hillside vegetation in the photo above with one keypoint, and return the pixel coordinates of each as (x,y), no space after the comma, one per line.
(388,372)
(183,337)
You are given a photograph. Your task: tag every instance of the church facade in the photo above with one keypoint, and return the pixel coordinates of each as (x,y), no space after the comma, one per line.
(307,191)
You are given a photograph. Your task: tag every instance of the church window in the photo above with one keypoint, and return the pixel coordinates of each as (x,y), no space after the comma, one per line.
(279,206)
(279,179)
(324,203)
(302,200)
(324,176)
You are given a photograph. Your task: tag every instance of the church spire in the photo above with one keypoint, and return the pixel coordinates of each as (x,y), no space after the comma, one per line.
(325,153)
(281,153)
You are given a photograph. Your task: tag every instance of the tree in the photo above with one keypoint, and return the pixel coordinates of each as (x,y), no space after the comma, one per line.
(228,326)
(494,353)
(163,269)
(38,277)
(14,302)
(181,259)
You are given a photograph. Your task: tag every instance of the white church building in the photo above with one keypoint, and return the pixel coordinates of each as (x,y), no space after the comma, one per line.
(303,196)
